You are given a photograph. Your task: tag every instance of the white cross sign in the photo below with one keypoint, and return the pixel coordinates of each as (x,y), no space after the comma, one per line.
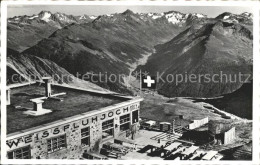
(149,81)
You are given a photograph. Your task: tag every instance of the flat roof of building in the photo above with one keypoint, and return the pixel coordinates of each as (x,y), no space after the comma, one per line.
(190,150)
(75,102)
(173,146)
(209,155)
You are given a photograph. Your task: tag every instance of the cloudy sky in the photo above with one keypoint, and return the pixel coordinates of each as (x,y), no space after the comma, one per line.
(210,11)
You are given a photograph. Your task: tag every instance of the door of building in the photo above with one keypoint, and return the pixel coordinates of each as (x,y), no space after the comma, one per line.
(135,117)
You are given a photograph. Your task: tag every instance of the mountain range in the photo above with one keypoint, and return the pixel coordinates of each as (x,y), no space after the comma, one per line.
(173,42)
(36,27)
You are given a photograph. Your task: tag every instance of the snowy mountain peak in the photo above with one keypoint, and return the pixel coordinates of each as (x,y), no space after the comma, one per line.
(83,17)
(45,16)
(43,12)
(174,17)
(64,18)
(92,17)
(198,15)
(154,15)
(245,17)
(57,19)
(247,14)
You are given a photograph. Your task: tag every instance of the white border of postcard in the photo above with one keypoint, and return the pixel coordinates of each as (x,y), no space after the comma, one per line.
(256,77)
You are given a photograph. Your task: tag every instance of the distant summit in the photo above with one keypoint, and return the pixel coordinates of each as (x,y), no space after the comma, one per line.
(128,12)
(57,19)
(245,18)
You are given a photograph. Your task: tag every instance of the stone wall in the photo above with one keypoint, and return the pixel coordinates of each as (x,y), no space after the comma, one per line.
(198,123)
(218,127)
(229,136)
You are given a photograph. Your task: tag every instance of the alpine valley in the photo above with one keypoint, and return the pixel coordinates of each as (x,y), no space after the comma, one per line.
(121,43)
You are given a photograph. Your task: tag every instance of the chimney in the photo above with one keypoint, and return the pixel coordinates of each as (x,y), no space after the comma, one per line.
(173,126)
(37,108)
(37,105)
(8,98)
(47,81)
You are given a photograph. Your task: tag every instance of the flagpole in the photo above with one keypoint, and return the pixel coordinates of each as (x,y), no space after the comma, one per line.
(140,82)
(156,83)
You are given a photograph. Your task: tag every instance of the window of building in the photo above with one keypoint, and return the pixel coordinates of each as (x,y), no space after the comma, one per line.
(56,143)
(125,119)
(85,138)
(108,128)
(20,153)
(124,122)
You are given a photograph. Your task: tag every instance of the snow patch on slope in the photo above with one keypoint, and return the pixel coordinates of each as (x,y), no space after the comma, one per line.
(226,17)
(92,17)
(82,17)
(34,16)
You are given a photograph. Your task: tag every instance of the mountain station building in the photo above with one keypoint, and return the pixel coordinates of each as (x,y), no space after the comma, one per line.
(52,121)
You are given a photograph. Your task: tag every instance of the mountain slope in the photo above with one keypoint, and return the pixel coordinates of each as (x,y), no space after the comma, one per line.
(209,48)
(17,34)
(109,44)
(36,27)
(115,44)
(116,41)
(26,68)
(244,18)
(238,102)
